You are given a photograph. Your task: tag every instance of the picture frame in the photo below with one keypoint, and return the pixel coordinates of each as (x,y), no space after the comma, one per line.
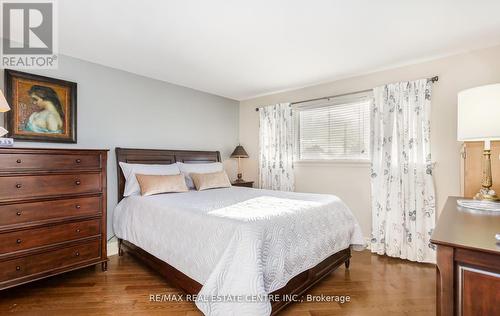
(43,109)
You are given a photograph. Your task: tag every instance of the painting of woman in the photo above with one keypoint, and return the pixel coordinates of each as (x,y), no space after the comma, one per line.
(49,117)
(42,108)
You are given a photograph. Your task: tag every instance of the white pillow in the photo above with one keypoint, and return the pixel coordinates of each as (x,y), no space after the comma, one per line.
(187,168)
(131,169)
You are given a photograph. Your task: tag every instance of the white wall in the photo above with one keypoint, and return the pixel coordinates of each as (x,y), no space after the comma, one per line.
(120,109)
(351,182)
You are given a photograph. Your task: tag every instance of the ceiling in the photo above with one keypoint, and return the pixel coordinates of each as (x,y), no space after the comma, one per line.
(241,49)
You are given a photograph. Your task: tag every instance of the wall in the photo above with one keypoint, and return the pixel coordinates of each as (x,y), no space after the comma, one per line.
(120,109)
(350,181)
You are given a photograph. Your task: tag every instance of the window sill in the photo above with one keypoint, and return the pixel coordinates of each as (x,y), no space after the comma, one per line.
(340,162)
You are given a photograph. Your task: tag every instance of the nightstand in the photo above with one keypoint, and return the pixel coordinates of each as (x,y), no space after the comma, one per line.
(468,260)
(248,184)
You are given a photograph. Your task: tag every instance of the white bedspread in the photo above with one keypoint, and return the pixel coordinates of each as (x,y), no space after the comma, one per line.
(240,243)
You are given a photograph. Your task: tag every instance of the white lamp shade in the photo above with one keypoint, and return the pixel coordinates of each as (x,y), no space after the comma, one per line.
(479,113)
(3,131)
(4,106)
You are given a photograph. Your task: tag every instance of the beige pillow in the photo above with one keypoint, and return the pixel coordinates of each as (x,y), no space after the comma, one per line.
(154,184)
(213,180)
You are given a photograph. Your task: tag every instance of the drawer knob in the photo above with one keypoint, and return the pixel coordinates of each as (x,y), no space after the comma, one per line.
(18,213)
(78,206)
(77,253)
(19,161)
(78,230)
(19,185)
(77,182)
(18,268)
(18,241)
(78,160)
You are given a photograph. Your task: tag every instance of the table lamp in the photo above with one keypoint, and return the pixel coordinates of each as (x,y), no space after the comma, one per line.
(4,107)
(479,120)
(239,152)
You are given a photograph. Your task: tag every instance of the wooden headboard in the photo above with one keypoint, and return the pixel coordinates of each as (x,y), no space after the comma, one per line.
(160,157)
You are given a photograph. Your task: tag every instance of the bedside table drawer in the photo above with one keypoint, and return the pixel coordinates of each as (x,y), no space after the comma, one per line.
(60,258)
(49,185)
(44,236)
(22,213)
(18,162)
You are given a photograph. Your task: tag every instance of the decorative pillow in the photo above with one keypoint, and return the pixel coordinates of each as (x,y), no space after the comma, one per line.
(188,168)
(154,184)
(205,181)
(131,169)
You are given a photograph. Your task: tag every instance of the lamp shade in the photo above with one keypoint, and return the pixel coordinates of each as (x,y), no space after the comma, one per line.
(4,106)
(239,152)
(479,113)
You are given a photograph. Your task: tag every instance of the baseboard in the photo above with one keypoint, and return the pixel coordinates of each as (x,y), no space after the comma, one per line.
(112,247)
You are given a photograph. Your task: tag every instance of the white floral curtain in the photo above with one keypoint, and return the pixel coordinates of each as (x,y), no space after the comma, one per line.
(403,202)
(276,147)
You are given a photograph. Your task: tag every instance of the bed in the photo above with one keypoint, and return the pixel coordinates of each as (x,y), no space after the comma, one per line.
(237,249)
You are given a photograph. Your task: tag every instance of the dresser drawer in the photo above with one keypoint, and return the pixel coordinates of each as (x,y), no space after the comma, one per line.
(31,238)
(479,291)
(55,259)
(21,161)
(48,185)
(23,213)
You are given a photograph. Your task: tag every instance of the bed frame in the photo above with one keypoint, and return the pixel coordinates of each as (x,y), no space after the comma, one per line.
(296,286)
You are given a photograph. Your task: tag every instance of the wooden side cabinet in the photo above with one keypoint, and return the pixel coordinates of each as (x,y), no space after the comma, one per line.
(468,262)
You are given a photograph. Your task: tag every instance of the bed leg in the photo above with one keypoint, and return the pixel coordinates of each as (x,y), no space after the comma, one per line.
(120,250)
(104,266)
(347,263)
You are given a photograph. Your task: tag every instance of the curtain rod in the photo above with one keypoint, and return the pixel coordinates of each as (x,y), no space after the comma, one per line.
(432,79)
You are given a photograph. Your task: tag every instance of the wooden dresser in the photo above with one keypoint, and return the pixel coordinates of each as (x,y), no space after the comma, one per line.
(52,212)
(468,261)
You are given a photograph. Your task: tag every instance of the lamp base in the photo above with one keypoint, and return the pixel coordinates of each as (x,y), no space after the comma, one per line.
(240,178)
(486,194)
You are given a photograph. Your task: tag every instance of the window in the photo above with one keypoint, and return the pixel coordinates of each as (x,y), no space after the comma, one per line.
(337,128)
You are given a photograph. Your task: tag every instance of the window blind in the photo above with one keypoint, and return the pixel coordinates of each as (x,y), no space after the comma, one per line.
(338,128)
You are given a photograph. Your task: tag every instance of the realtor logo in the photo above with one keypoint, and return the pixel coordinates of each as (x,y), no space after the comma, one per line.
(28,34)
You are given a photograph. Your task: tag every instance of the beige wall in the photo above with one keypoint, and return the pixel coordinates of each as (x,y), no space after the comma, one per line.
(351,181)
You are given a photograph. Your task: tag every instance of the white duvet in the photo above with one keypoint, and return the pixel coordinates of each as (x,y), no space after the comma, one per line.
(240,243)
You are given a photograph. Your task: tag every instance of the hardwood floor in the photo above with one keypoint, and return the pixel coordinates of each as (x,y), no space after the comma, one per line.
(377,285)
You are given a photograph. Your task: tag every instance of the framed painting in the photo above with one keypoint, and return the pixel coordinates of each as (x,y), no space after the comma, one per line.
(43,109)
